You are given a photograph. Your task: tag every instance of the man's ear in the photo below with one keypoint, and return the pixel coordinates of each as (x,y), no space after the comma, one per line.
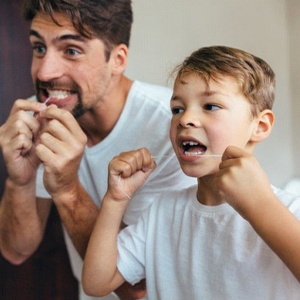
(119,57)
(264,125)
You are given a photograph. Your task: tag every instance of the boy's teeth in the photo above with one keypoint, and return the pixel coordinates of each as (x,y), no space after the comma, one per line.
(190,143)
(193,153)
(58,94)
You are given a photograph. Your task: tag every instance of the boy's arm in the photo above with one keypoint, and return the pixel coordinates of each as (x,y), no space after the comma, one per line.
(245,185)
(127,173)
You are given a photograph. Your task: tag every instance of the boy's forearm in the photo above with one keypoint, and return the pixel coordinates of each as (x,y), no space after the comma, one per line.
(100,273)
(280,229)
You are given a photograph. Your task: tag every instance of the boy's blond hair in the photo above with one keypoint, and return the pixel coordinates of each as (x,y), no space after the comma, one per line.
(254,75)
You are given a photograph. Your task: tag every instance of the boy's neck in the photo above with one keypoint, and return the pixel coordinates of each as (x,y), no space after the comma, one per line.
(207,193)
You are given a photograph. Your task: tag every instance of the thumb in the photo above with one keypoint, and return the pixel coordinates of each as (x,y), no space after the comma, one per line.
(232,152)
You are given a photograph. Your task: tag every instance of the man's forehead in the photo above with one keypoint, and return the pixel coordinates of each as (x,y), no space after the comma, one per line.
(58,21)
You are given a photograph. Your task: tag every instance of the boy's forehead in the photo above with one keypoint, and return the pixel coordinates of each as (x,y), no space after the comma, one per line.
(221,84)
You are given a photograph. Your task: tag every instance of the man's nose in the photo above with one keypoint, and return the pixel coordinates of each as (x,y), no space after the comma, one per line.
(51,67)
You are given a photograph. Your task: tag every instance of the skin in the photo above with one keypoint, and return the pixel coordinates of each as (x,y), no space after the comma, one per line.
(218,117)
(74,72)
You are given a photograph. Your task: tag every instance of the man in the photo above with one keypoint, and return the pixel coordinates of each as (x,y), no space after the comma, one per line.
(87,112)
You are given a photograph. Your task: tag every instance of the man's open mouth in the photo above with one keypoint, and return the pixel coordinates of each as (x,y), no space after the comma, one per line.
(192,148)
(58,94)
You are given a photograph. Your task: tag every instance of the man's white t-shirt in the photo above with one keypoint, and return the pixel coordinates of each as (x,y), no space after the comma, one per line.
(144,122)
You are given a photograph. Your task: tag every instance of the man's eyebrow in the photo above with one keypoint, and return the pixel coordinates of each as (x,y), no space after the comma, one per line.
(35,33)
(75,37)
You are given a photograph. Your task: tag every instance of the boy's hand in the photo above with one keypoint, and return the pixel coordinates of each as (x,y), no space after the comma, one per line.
(242,181)
(128,172)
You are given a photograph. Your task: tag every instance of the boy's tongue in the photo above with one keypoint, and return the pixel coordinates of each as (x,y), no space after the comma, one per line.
(195,150)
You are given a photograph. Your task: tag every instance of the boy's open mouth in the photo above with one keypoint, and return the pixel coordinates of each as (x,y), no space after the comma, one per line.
(192,148)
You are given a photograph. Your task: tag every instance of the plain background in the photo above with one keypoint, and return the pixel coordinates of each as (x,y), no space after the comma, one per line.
(166,31)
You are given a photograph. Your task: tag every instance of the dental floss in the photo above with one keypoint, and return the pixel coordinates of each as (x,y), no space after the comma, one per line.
(122,189)
(157,156)
(47,99)
(37,114)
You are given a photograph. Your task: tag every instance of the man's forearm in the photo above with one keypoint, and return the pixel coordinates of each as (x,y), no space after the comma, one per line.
(78,213)
(21,226)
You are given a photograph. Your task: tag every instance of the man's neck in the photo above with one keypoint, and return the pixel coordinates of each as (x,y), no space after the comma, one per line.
(99,122)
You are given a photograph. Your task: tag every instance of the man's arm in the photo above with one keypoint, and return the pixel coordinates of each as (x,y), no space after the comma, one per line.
(22,217)
(22,223)
(127,173)
(246,187)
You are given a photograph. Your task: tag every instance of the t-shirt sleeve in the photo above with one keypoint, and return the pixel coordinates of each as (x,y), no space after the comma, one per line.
(40,188)
(131,248)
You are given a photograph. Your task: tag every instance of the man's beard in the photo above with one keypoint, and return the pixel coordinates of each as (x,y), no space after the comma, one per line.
(78,110)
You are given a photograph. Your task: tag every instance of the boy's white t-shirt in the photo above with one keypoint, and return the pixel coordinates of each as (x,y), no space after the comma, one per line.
(190,251)
(144,122)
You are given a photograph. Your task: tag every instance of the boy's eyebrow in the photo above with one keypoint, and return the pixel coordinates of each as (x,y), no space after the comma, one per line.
(75,37)
(206,93)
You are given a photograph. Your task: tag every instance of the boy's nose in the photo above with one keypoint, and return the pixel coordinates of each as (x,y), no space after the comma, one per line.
(190,119)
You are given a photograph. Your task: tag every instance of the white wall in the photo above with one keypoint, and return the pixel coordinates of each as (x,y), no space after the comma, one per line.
(293,13)
(166,31)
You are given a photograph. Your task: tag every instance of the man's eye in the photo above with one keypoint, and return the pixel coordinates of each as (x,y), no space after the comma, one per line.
(211,107)
(39,49)
(72,52)
(176,110)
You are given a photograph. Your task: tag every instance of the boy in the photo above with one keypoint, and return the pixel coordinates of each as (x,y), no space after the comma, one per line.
(233,236)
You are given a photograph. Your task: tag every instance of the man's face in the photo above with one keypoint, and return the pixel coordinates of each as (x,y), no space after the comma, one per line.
(67,68)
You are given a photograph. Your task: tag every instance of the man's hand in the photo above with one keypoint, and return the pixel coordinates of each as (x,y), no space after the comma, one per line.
(128,292)
(17,141)
(60,148)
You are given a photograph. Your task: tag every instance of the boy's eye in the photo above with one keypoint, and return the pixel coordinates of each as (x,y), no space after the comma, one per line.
(211,107)
(176,110)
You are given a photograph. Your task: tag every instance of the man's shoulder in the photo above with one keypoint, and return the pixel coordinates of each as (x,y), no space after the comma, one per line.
(150,90)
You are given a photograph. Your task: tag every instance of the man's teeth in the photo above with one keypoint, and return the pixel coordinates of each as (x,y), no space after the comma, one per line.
(58,94)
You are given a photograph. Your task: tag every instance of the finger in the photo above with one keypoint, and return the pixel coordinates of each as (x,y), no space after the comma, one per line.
(139,160)
(58,138)
(26,105)
(133,161)
(233,152)
(65,118)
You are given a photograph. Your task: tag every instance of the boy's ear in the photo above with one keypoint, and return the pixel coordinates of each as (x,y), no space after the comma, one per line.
(119,57)
(265,121)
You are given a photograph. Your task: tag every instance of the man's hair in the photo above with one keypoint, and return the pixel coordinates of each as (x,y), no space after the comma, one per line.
(254,76)
(108,20)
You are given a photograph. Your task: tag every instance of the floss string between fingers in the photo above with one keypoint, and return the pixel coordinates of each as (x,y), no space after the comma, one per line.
(119,184)
(157,156)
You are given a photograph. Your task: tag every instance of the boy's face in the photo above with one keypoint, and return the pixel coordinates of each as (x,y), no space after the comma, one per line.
(206,120)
